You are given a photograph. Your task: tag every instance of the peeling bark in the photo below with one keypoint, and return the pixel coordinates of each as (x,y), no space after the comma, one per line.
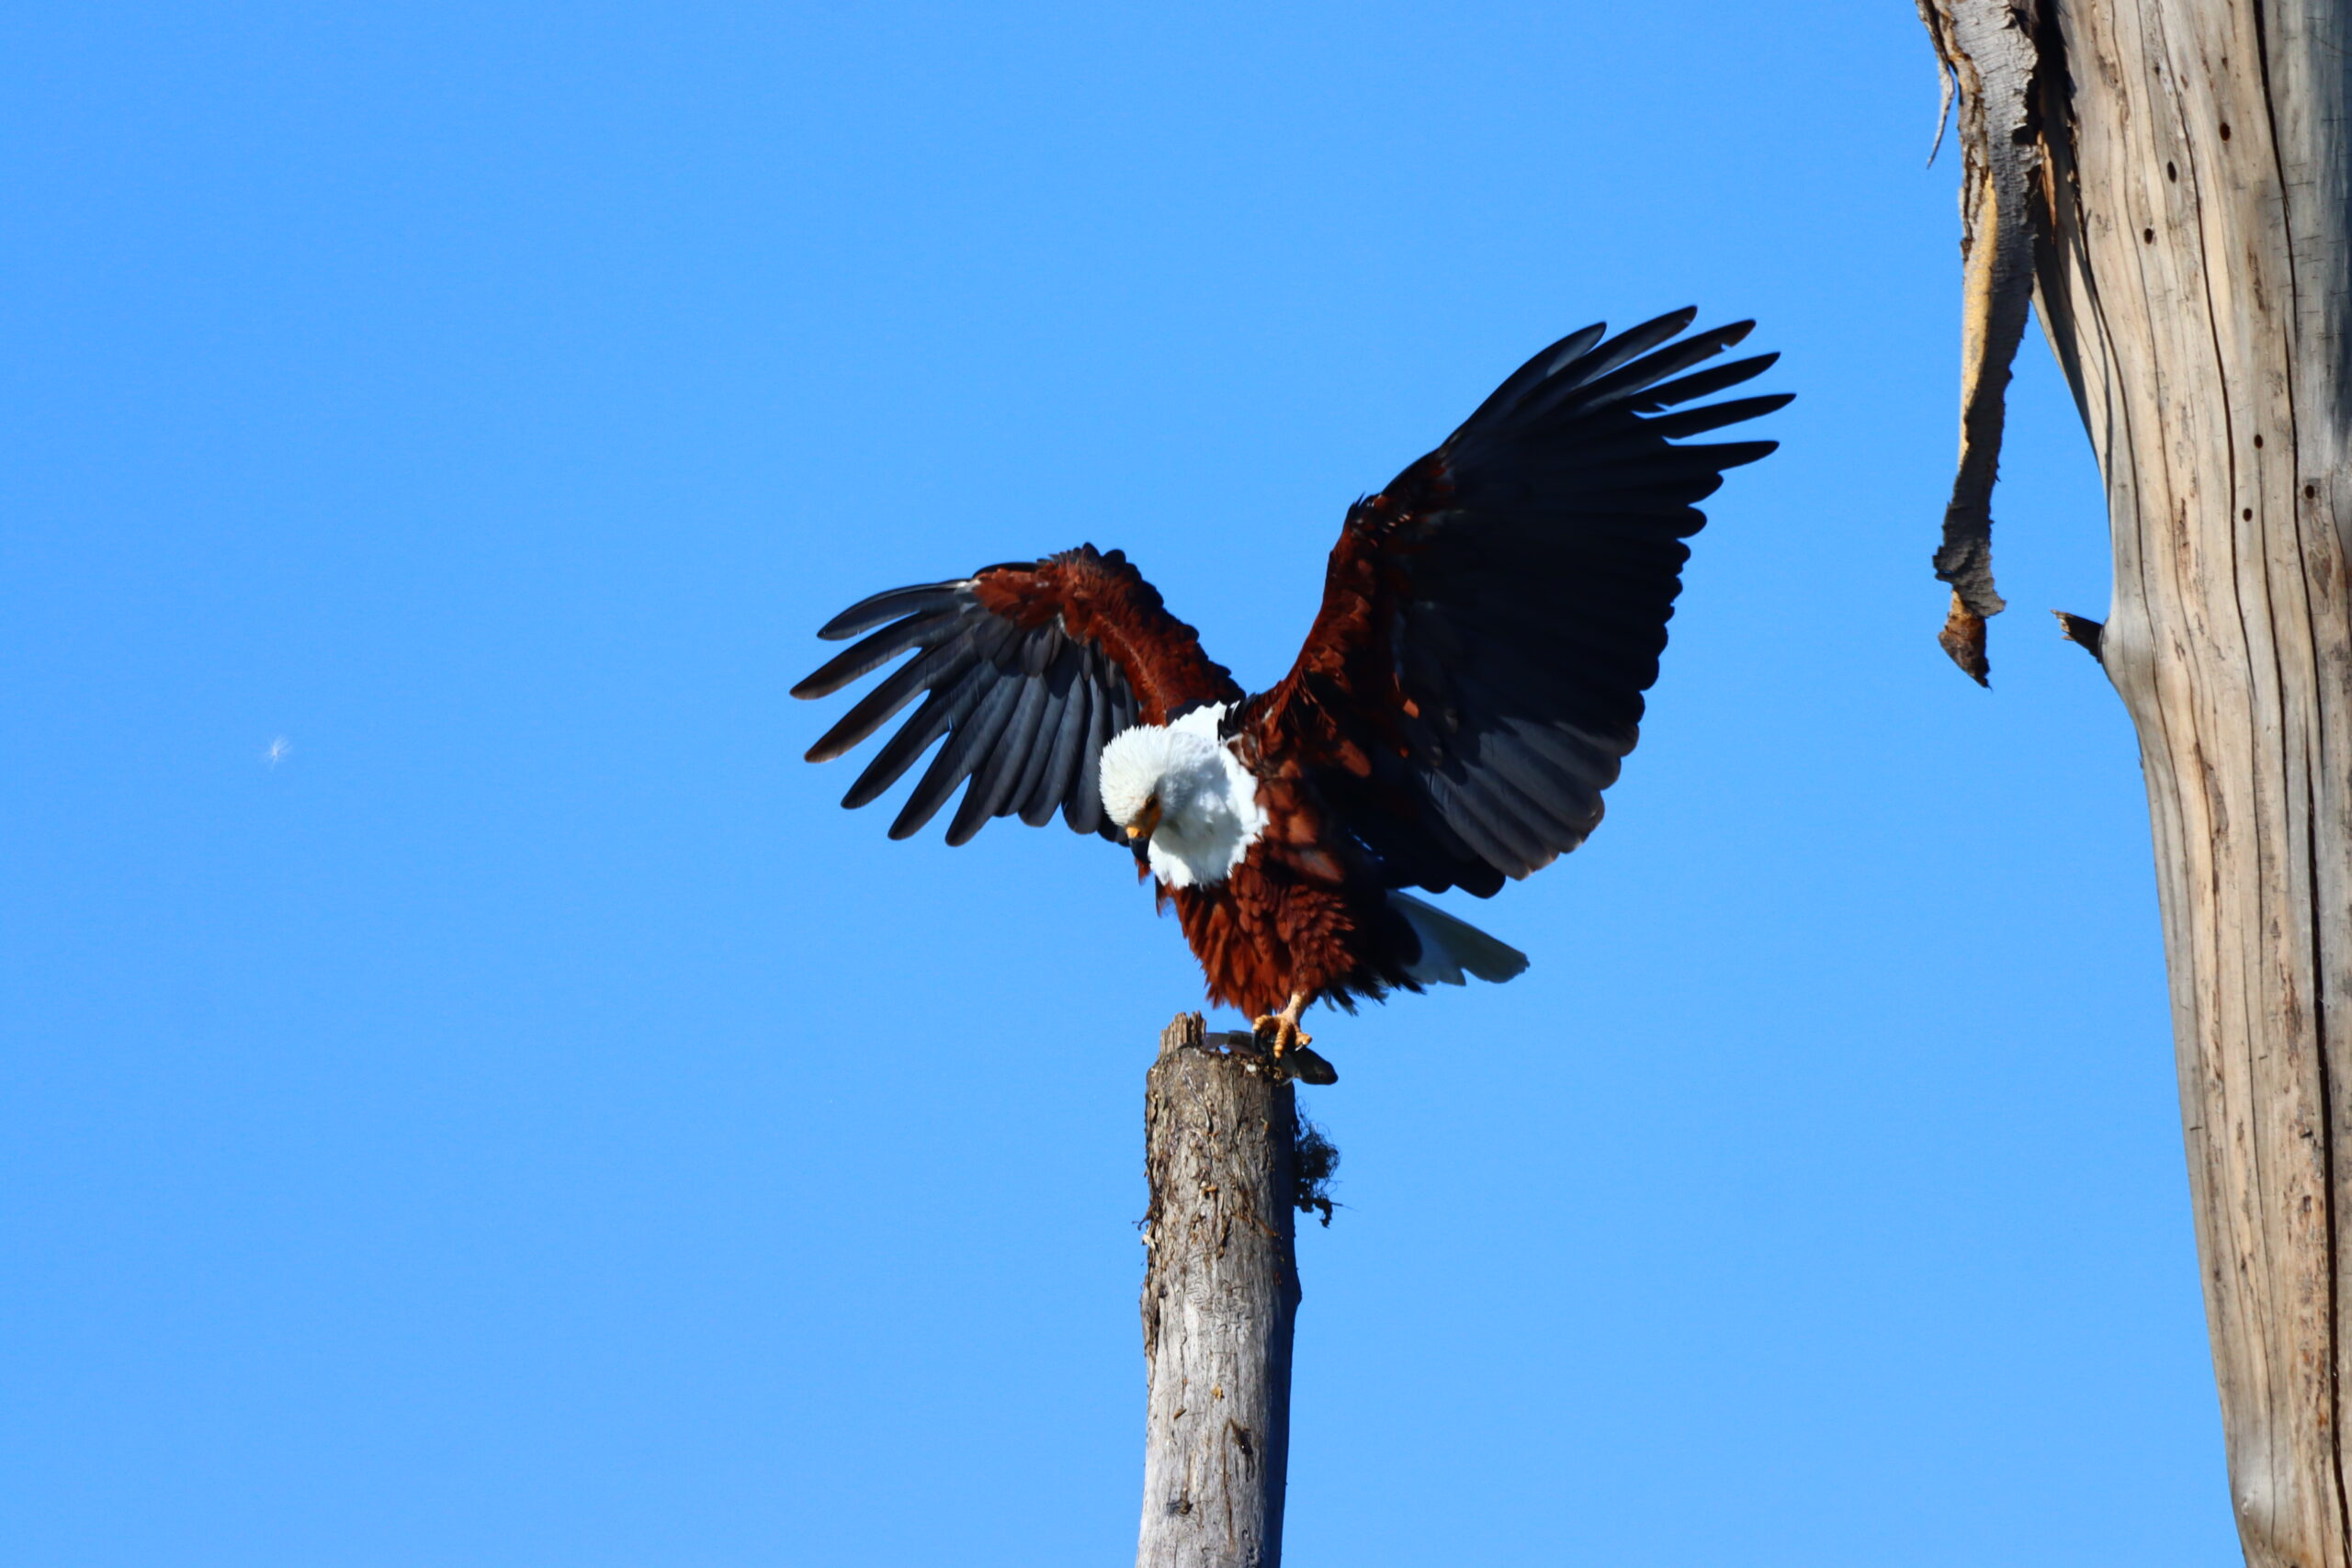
(2193,243)
(1989,50)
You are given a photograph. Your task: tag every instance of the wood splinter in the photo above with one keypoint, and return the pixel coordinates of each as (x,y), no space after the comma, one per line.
(2081,631)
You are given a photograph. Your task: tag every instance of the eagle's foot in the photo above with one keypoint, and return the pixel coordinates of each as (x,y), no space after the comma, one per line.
(1286,1044)
(1279,1031)
(1278,1035)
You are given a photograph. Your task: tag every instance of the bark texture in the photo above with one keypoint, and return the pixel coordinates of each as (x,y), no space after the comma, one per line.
(2192,254)
(1220,1294)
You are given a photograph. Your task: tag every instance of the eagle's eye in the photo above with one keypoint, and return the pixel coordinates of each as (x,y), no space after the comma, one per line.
(1146,821)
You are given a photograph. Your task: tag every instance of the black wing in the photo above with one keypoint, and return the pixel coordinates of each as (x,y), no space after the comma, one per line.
(1492,618)
(1025,670)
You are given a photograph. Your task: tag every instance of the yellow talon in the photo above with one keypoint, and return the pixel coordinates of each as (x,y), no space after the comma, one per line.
(1280,1029)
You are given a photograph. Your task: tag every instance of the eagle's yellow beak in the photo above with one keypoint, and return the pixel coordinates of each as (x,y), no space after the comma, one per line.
(1146,821)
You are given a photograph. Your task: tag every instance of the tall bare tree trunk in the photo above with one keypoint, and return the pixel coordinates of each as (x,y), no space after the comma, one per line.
(1220,1294)
(2184,168)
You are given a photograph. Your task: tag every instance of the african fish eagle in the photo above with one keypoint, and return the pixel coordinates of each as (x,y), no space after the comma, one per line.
(1490,620)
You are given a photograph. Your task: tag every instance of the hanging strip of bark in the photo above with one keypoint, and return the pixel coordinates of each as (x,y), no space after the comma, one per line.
(1220,1294)
(1988,47)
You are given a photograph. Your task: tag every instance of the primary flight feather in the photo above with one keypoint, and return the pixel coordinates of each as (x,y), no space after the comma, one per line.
(1490,620)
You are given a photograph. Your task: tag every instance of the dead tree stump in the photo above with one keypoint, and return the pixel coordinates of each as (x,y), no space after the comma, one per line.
(2172,182)
(1220,1296)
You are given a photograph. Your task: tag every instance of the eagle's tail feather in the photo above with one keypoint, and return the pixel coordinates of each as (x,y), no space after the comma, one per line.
(1450,947)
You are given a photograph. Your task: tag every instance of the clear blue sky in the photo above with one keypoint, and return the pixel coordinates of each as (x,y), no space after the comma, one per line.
(526,1123)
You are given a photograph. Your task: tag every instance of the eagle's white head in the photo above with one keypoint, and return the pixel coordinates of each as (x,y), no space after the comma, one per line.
(1182,792)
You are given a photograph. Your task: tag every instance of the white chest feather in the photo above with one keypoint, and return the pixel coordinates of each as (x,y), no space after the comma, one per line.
(1205,801)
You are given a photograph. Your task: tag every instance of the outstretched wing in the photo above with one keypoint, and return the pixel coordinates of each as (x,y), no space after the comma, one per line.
(1025,670)
(1491,619)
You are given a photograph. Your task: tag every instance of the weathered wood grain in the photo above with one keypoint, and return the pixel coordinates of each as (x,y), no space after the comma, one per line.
(2191,275)
(1220,1294)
